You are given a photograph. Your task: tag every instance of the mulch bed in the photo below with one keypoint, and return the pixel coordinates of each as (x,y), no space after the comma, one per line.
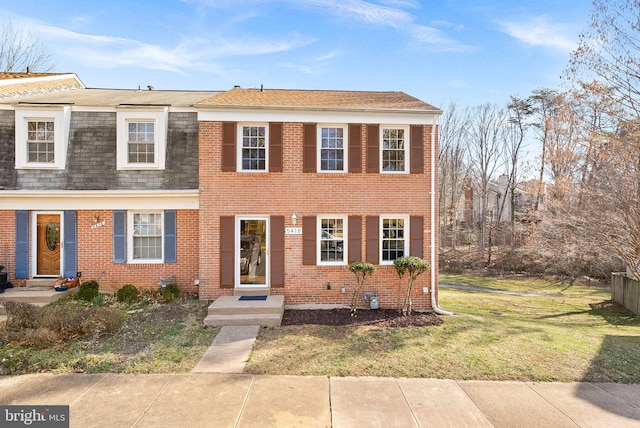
(378,318)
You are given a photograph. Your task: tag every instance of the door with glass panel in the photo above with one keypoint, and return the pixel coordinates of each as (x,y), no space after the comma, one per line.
(47,244)
(252,252)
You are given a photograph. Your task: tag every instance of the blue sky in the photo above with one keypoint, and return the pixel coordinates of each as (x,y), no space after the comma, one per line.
(469,51)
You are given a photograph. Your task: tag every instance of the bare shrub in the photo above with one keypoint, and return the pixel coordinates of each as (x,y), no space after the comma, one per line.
(21,315)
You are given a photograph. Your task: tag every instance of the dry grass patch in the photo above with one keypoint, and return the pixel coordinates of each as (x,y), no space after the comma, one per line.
(497,337)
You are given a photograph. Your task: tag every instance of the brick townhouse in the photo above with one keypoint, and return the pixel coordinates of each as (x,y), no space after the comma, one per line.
(231,192)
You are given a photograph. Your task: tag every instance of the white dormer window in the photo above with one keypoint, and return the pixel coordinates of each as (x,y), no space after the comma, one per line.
(142,139)
(41,137)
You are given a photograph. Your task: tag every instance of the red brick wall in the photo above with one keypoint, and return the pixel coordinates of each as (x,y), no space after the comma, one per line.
(95,253)
(8,245)
(241,193)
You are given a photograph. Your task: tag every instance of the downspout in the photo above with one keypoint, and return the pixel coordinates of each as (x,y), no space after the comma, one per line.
(434,304)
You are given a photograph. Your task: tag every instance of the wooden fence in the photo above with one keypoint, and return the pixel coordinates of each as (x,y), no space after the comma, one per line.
(625,291)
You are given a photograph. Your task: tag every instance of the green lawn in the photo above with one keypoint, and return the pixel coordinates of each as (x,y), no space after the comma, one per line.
(559,337)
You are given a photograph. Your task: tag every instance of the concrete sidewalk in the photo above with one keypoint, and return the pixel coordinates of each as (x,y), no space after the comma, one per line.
(239,400)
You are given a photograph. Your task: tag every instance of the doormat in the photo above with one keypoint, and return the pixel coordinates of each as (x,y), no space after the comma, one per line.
(253,298)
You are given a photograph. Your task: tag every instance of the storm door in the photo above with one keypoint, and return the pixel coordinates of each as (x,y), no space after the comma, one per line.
(252,252)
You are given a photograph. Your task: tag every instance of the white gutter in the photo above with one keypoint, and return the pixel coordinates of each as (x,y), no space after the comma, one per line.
(434,304)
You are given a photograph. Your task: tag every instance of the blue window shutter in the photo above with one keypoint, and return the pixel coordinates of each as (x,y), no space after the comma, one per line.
(170,242)
(22,244)
(70,244)
(120,236)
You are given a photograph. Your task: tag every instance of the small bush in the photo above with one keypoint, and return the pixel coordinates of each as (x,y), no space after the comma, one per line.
(89,290)
(170,292)
(128,294)
(98,300)
(21,315)
(32,326)
(106,321)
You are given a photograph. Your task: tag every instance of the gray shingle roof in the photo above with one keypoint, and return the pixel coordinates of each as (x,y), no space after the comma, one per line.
(119,97)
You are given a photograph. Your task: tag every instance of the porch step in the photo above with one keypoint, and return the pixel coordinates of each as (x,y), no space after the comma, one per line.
(41,282)
(251,291)
(230,310)
(37,295)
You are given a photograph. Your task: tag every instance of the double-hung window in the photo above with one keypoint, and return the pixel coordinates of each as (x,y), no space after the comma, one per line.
(332,240)
(40,141)
(394,147)
(142,138)
(141,142)
(332,148)
(394,236)
(41,137)
(145,237)
(253,147)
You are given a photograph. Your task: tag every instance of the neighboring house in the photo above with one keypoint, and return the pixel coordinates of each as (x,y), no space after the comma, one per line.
(14,85)
(497,209)
(242,191)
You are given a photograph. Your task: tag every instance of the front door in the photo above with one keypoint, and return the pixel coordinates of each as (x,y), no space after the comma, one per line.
(47,244)
(252,251)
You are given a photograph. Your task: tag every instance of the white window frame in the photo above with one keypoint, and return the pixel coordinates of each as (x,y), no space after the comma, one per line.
(381,235)
(345,147)
(61,118)
(130,231)
(160,118)
(407,150)
(345,240)
(239,146)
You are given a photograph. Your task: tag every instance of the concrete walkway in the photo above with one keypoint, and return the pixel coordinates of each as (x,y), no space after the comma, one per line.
(229,350)
(239,400)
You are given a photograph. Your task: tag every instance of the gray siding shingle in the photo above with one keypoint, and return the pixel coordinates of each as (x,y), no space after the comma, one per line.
(91,157)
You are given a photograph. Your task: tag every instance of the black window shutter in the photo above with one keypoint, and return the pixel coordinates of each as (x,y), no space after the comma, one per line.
(119,236)
(229,146)
(22,245)
(70,267)
(309,147)
(309,240)
(277,251)
(227,251)
(373,148)
(355,148)
(275,147)
(373,232)
(417,149)
(355,239)
(170,238)
(416,223)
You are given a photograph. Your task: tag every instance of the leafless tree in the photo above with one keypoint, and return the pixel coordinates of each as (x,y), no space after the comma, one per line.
(484,140)
(20,51)
(452,170)
(519,111)
(609,52)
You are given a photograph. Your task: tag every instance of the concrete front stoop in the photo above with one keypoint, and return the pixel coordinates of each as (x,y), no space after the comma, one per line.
(230,310)
(38,292)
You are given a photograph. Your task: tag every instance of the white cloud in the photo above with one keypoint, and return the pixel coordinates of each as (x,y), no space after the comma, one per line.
(540,32)
(111,52)
(455,83)
(389,14)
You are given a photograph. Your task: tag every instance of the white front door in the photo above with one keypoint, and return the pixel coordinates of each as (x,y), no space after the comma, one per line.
(252,251)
